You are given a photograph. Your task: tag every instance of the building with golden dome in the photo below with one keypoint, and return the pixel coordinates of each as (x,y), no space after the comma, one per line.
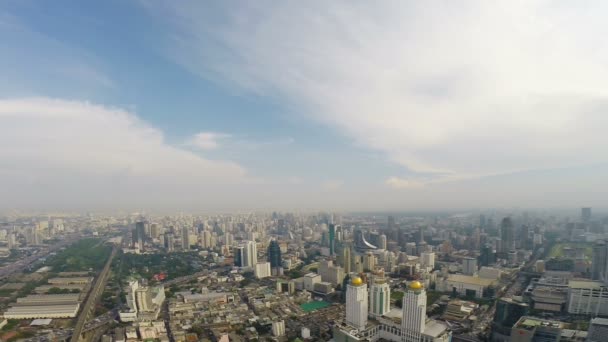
(356,303)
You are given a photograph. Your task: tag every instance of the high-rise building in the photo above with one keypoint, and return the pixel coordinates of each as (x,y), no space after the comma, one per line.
(262,270)
(507,239)
(139,235)
(332,238)
(330,273)
(369,261)
(586,214)
(239,256)
(428,259)
(251,254)
(356,303)
(598,330)
(379,297)
(599,260)
(143,299)
(169,242)
(469,266)
(508,312)
(413,321)
(185,238)
(486,256)
(346,259)
(382,241)
(274,254)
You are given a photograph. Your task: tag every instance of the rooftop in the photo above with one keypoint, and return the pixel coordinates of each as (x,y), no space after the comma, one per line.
(461,278)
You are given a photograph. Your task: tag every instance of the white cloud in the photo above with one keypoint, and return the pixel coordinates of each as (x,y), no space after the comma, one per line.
(59,153)
(207,140)
(401,183)
(451,90)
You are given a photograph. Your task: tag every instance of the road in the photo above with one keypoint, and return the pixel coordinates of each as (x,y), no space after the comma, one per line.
(89,305)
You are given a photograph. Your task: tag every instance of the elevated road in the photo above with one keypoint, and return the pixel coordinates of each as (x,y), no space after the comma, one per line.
(89,306)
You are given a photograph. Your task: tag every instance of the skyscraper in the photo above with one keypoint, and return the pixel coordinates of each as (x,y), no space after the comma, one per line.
(274,254)
(239,256)
(356,303)
(185,238)
(251,254)
(138,235)
(332,238)
(586,214)
(487,257)
(507,241)
(413,321)
(382,241)
(379,297)
(346,259)
(599,260)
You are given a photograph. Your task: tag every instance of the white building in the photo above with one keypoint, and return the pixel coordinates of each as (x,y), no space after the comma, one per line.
(309,281)
(262,270)
(379,297)
(428,259)
(42,311)
(251,254)
(278,328)
(414,313)
(331,273)
(356,303)
(587,298)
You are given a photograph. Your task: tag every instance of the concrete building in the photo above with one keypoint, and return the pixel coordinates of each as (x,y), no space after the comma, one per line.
(466,285)
(469,266)
(428,259)
(262,270)
(309,280)
(278,328)
(598,330)
(42,311)
(356,303)
(414,304)
(379,297)
(587,298)
(331,273)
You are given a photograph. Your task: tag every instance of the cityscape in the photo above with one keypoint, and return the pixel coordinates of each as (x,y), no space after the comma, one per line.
(305,276)
(303,171)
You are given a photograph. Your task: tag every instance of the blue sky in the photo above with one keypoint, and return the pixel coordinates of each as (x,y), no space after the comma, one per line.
(263,105)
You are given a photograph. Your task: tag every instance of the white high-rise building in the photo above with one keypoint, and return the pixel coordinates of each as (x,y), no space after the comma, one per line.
(278,328)
(262,270)
(382,242)
(428,259)
(251,254)
(414,313)
(356,303)
(379,297)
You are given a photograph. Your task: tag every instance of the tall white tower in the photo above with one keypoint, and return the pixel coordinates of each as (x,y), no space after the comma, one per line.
(251,254)
(356,303)
(379,297)
(413,320)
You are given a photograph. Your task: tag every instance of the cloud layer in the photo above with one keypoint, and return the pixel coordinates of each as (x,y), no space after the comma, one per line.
(57,153)
(450,91)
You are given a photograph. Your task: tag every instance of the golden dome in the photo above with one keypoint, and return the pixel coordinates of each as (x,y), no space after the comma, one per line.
(356,281)
(415,285)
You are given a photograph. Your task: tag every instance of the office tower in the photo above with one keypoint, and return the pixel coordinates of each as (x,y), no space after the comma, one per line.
(410,248)
(508,312)
(278,328)
(262,270)
(379,297)
(369,261)
(586,214)
(382,241)
(486,256)
(154,231)
(346,260)
(598,330)
(139,235)
(421,234)
(599,260)
(239,256)
(482,221)
(469,266)
(330,273)
(143,299)
(169,242)
(428,259)
(391,223)
(251,254)
(206,239)
(274,254)
(413,321)
(12,241)
(506,236)
(185,238)
(332,238)
(356,303)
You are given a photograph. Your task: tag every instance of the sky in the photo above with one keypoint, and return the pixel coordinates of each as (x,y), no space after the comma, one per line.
(265,105)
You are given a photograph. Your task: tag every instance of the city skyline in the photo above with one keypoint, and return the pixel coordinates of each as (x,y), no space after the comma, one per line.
(351,107)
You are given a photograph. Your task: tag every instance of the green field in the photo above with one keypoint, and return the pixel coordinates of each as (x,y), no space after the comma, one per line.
(312,306)
(557,251)
(81,256)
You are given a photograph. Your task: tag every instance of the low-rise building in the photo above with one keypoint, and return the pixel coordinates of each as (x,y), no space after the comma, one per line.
(42,311)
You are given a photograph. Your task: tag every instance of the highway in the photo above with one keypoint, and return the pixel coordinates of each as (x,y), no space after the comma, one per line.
(89,305)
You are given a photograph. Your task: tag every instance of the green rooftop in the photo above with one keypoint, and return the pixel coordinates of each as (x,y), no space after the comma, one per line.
(312,306)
